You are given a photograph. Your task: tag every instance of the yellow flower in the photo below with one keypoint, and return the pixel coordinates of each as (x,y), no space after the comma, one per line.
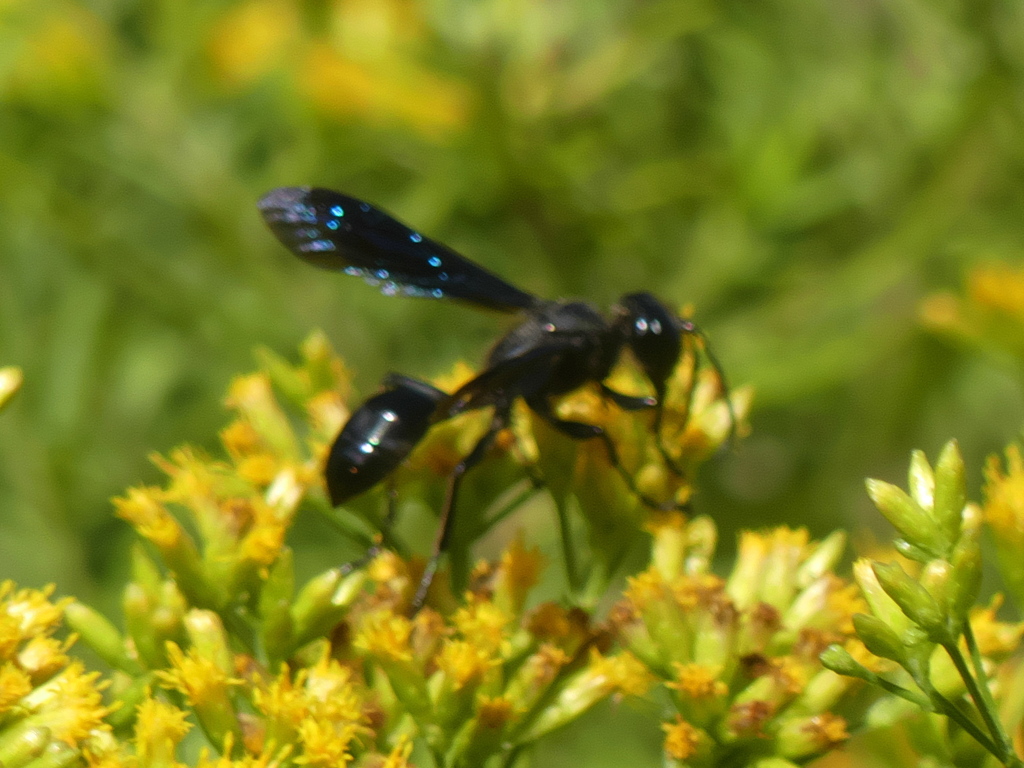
(345,87)
(996,639)
(265,536)
(30,610)
(1004,494)
(42,657)
(464,662)
(253,397)
(158,729)
(331,692)
(14,684)
(518,572)
(494,712)
(70,704)
(645,589)
(325,744)
(200,678)
(697,682)
(681,739)
(999,287)
(386,636)
(282,701)
(399,756)
(621,673)
(250,38)
(483,624)
(143,510)
(766,566)
(240,439)
(802,738)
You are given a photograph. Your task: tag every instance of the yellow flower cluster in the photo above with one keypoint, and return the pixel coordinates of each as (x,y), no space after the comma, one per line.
(364,64)
(340,671)
(739,656)
(49,704)
(990,314)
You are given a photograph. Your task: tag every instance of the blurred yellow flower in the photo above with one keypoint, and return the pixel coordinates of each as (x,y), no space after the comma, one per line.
(194,674)
(681,739)
(252,38)
(158,729)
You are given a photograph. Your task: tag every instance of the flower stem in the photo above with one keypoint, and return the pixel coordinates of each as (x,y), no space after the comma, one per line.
(978,689)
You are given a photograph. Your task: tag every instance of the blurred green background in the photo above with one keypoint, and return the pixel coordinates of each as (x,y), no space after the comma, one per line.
(803,173)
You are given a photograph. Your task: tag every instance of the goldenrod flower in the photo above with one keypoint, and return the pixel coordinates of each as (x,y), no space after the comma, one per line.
(803,737)
(14,684)
(483,624)
(325,744)
(696,681)
(249,39)
(399,756)
(158,729)
(464,662)
(144,510)
(682,740)
(41,657)
(1004,512)
(198,677)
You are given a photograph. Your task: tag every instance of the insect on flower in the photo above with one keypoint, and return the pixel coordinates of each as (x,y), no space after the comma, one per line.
(554,349)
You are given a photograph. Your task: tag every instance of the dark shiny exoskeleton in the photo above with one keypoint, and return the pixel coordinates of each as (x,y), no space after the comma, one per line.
(557,347)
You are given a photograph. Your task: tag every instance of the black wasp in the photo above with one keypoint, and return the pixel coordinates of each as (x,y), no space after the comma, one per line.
(556,347)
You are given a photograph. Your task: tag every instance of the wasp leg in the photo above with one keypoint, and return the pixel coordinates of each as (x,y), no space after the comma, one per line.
(629,402)
(498,422)
(577,430)
(382,539)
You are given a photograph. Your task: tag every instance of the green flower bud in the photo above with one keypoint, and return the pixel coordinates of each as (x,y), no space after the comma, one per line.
(275,607)
(57,755)
(839,660)
(950,491)
(822,692)
(137,611)
(823,559)
(801,738)
(102,636)
(208,638)
(323,601)
(911,551)
(145,572)
(126,700)
(879,638)
(882,606)
(913,523)
(253,397)
(481,736)
(20,745)
(913,599)
(965,582)
(921,480)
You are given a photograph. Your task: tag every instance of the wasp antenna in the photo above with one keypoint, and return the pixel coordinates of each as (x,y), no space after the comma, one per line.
(716,366)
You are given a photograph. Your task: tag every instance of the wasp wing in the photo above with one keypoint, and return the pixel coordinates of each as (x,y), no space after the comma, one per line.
(335,231)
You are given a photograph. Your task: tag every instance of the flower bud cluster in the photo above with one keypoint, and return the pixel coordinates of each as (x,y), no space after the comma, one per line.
(738,657)
(51,709)
(223,643)
(696,420)
(935,649)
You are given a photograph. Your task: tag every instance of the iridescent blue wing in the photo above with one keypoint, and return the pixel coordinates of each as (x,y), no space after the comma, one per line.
(334,231)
